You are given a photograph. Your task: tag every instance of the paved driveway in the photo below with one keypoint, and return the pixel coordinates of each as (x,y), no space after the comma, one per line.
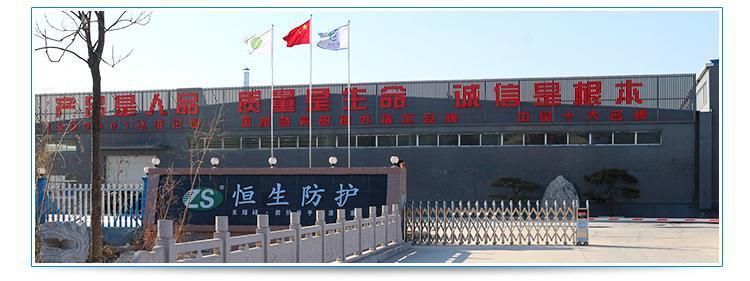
(620,242)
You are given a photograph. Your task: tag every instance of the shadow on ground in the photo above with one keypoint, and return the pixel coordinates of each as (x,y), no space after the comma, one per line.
(459,253)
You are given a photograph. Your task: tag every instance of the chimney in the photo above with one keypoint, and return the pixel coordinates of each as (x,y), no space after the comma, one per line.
(246,76)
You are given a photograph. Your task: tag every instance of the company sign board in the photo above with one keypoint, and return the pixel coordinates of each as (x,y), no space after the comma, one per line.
(242,194)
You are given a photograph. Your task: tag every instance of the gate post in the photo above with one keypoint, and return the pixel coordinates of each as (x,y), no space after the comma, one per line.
(263,229)
(358,219)
(582,225)
(165,240)
(320,221)
(397,213)
(341,221)
(41,202)
(294,223)
(384,212)
(222,232)
(144,193)
(373,212)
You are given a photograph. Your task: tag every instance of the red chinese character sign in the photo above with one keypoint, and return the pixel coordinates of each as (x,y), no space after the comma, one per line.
(393,97)
(588,93)
(426,104)
(284,101)
(249,101)
(466,96)
(628,92)
(320,98)
(547,94)
(507,95)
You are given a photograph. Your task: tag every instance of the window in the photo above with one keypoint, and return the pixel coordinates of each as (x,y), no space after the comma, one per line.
(513,139)
(342,141)
(427,140)
(304,141)
(407,140)
(557,138)
(213,143)
(231,143)
(62,146)
(535,139)
(250,142)
(578,138)
(649,137)
(624,138)
(601,138)
(490,139)
(326,141)
(365,141)
(265,141)
(467,139)
(470,139)
(386,140)
(444,140)
(195,143)
(288,141)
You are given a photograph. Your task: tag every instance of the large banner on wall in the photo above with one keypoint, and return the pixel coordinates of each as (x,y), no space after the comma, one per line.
(243,197)
(607,99)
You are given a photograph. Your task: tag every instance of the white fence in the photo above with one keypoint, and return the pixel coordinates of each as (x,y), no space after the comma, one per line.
(122,204)
(343,241)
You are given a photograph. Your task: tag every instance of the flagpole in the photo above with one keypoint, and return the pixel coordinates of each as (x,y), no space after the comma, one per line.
(309,100)
(349,100)
(272,142)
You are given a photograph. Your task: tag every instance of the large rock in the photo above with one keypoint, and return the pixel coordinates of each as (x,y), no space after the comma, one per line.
(560,189)
(63,242)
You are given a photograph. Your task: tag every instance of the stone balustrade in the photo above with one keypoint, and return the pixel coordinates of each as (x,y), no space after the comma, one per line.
(341,241)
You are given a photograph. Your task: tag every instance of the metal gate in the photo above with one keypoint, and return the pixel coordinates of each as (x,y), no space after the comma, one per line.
(490,223)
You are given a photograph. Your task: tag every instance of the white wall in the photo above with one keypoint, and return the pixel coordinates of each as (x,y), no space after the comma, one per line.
(126,169)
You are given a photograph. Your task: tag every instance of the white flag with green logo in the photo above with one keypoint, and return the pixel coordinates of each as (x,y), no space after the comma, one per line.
(259,44)
(337,39)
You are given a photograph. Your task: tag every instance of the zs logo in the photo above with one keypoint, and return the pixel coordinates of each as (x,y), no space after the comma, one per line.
(202,199)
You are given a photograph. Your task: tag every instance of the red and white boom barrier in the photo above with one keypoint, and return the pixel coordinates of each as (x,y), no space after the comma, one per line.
(681,220)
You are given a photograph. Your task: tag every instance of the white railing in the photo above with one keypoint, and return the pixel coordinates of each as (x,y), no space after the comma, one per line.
(122,204)
(342,241)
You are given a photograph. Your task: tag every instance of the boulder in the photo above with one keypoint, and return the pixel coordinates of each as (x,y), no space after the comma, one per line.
(560,189)
(66,242)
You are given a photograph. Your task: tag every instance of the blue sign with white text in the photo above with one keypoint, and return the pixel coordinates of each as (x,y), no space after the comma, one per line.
(243,197)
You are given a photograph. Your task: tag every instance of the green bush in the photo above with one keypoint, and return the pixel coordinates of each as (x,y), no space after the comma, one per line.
(612,184)
(516,189)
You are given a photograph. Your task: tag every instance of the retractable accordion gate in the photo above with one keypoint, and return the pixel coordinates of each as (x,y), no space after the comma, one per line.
(490,223)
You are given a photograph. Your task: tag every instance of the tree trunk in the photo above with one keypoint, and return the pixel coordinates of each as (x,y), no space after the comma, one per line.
(96,177)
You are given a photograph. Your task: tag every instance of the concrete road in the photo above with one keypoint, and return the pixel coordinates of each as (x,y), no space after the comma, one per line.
(620,242)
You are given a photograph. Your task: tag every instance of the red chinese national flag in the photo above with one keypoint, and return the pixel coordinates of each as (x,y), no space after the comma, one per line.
(299,35)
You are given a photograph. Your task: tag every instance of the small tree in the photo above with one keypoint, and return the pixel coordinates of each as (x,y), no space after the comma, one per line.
(89,32)
(517,189)
(611,184)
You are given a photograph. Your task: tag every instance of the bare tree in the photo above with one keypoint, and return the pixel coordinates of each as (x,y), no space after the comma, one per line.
(199,147)
(75,36)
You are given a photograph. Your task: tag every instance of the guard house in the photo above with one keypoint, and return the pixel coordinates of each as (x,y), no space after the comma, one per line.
(454,137)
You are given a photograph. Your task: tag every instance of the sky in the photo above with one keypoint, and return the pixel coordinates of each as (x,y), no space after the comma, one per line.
(183,48)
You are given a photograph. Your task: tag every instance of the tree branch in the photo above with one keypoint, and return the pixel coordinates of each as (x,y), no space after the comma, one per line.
(65,37)
(142,19)
(45,48)
(117,60)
